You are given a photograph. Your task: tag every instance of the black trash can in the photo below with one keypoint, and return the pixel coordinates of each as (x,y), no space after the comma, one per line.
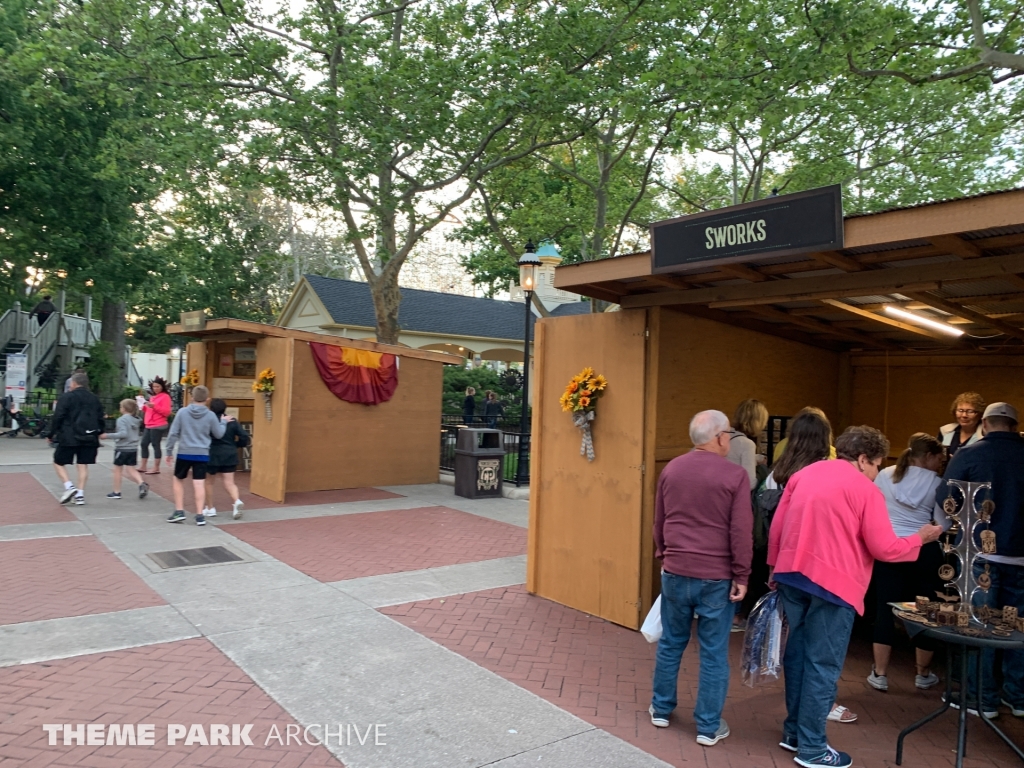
(479,460)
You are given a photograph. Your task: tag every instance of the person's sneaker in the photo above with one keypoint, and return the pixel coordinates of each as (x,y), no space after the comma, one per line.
(789,744)
(954,702)
(200,519)
(236,510)
(178,516)
(113,495)
(211,512)
(830,757)
(80,499)
(710,739)
(658,721)
(69,493)
(143,490)
(738,627)
(879,682)
(1017,711)
(924,682)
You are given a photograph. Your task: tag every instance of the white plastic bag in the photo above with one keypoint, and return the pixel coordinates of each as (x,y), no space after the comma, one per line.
(651,629)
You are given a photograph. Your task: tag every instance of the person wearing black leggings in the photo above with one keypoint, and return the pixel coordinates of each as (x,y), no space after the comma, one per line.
(154,412)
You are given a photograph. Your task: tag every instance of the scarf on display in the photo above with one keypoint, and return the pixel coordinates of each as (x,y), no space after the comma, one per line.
(356,375)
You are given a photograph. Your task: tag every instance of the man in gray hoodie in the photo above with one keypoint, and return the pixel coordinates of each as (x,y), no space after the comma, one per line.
(194,428)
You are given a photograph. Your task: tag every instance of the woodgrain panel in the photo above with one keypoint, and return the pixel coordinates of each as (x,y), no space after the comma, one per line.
(906,397)
(335,444)
(586,517)
(270,438)
(704,364)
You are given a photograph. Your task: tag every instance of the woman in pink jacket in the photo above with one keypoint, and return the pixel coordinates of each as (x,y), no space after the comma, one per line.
(154,419)
(830,527)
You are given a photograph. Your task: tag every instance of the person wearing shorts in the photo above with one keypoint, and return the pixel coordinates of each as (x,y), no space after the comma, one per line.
(194,429)
(126,445)
(224,462)
(76,428)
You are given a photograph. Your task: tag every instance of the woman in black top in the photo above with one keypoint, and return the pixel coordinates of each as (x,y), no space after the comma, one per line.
(469,406)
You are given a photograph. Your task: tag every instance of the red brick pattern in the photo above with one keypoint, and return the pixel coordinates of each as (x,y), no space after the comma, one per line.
(184,682)
(161,484)
(24,500)
(74,576)
(369,544)
(602,673)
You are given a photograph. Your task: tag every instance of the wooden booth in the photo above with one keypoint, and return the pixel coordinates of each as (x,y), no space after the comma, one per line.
(807,323)
(310,439)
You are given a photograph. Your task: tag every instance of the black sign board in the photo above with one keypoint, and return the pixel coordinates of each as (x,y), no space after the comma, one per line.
(780,226)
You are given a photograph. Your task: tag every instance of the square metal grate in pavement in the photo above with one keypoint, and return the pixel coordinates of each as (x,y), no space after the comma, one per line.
(186,558)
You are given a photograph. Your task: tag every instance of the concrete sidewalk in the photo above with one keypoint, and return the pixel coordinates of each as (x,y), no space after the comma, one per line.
(95,632)
(401,611)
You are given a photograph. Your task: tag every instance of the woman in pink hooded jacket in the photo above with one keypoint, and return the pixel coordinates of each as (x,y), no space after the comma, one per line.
(830,527)
(154,420)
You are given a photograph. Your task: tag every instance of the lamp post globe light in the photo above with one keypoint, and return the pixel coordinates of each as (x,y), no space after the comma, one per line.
(528,264)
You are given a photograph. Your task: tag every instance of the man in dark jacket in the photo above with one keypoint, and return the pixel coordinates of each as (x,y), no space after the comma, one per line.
(998,458)
(43,309)
(76,428)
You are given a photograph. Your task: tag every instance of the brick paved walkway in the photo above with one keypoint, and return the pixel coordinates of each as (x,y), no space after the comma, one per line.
(23,500)
(185,682)
(373,543)
(73,576)
(162,485)
(602,673)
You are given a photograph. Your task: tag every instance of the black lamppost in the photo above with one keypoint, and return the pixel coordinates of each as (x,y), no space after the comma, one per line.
(528,264)
(179,391)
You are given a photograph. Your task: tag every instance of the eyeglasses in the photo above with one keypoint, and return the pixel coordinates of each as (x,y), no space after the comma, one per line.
(966,412)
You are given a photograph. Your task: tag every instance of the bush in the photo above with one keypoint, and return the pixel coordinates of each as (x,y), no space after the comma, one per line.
(102,368)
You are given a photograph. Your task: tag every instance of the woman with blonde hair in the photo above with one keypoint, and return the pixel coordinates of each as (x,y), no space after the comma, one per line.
(748,423)
(909,491)
(967,409)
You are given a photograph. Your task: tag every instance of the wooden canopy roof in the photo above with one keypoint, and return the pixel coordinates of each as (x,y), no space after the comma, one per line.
(229,329)
(959,262)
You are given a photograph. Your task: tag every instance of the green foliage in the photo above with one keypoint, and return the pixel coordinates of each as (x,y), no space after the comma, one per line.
(102,369)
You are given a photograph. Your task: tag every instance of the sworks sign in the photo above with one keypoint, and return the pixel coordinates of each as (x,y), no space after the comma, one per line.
(789,224)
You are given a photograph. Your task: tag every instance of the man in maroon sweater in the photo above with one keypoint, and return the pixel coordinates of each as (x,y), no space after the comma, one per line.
(703,535)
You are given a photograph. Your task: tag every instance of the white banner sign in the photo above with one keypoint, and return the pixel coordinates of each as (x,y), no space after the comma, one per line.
(17,377)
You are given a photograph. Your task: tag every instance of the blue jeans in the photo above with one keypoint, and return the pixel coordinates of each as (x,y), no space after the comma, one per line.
(681,598)
(819,634)
(1007,589)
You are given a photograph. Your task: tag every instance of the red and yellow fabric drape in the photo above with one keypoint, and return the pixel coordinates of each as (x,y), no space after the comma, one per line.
(356,375)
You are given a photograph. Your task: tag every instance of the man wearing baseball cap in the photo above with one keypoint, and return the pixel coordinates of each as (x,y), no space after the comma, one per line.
(998,458)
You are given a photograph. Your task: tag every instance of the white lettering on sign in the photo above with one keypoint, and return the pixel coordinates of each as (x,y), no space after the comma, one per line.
(735,234)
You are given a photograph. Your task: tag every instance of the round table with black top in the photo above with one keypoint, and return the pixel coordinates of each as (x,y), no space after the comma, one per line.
(969,646)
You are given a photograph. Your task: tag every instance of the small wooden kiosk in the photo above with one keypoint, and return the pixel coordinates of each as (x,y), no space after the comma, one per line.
(314,441)
(791,329)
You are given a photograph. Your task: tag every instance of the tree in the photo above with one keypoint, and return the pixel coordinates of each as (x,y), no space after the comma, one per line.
(84,150)
(233,254)
(388,114)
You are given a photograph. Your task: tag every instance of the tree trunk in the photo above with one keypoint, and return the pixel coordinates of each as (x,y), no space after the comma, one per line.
(386,300)
(113,333)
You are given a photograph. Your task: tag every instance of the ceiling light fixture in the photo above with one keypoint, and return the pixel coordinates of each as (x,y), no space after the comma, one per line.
(926,322)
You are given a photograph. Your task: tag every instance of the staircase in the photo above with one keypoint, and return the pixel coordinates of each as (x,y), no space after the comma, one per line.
(68,336)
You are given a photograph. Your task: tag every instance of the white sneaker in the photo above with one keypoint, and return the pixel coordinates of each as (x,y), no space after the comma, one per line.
(924,682)
(68,494)
(236,510)
(211,512)
(881,682)
(80,499)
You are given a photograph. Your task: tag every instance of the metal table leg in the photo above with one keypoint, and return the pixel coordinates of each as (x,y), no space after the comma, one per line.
(927,719)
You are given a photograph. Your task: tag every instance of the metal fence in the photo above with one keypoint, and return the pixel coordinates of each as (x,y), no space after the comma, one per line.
(510,441)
